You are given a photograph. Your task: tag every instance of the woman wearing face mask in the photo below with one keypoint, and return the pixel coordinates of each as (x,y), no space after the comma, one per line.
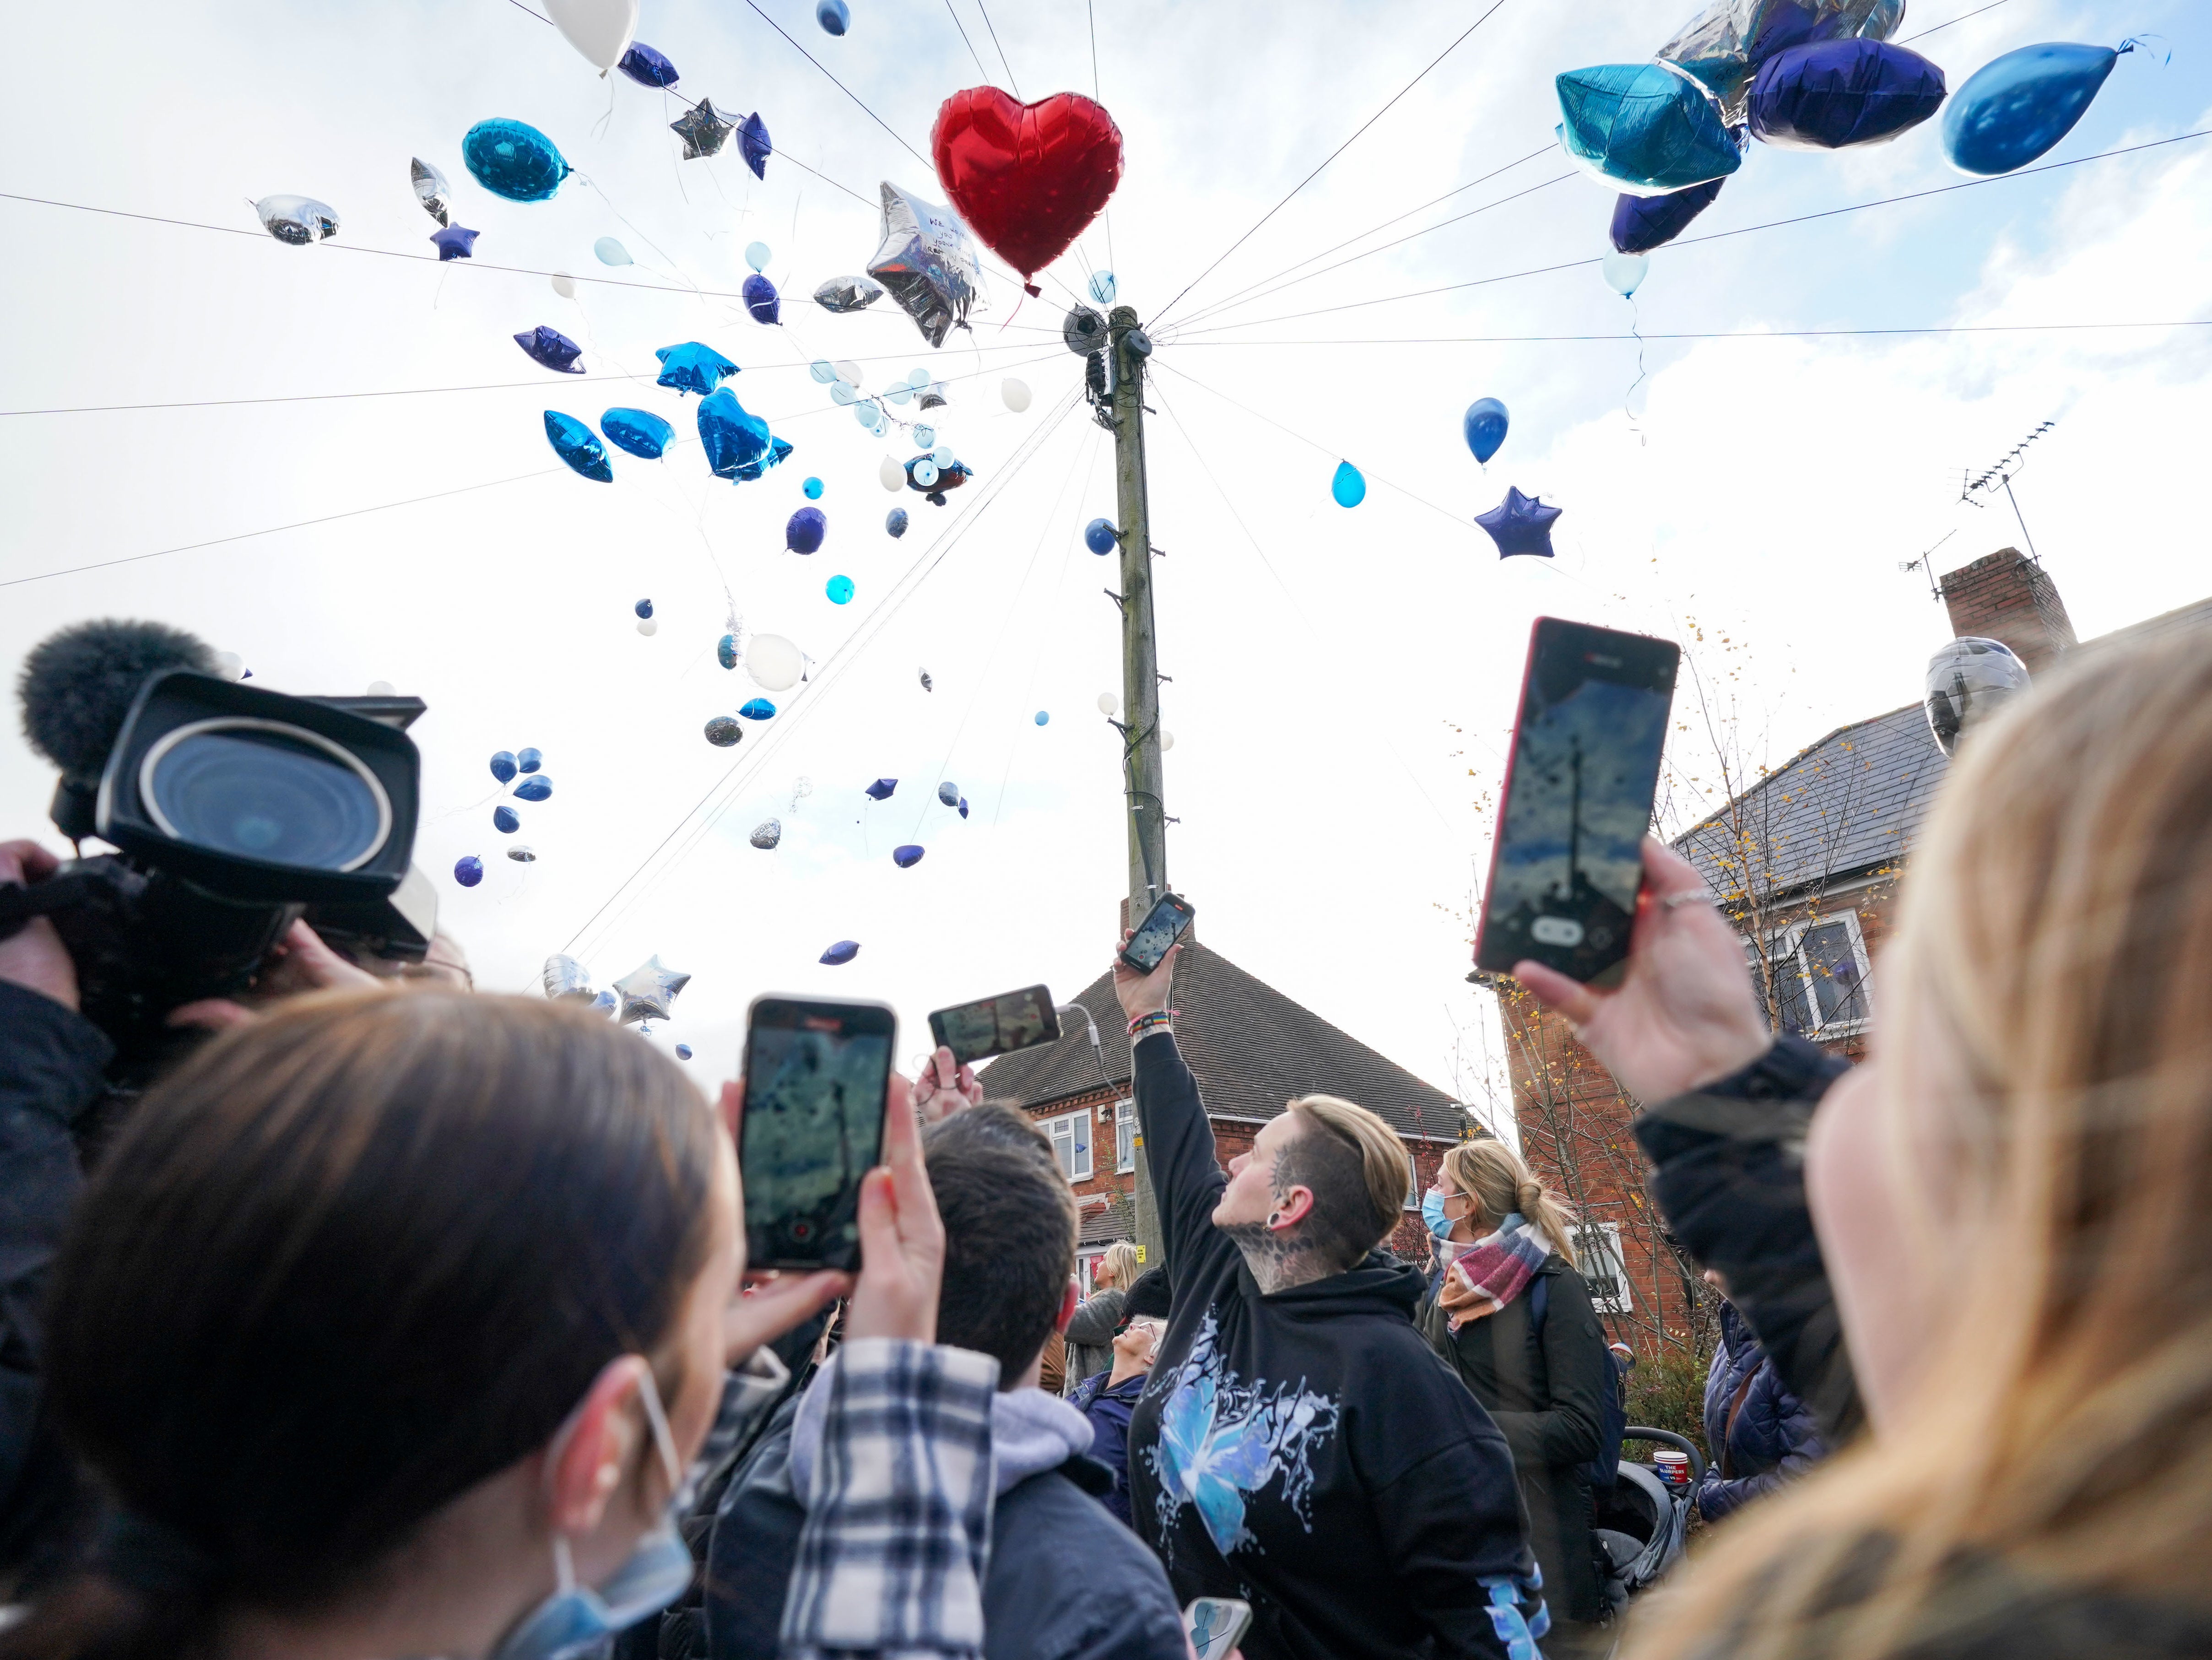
(392,1325)
(2008,1205)
(1514,1319)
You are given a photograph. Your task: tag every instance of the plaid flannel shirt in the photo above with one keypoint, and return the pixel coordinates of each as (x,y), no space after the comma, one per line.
(890,1558)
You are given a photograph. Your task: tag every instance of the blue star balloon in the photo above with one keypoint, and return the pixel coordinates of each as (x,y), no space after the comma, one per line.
(468,870)
(502,766)
(737,442)
(1484,427)
(454,242)
(757,708)
(692,367)
(907,857)
(536,787)
(647,67)
(556,350)
(762,301)
(529,760)
(2015,108)
(842,953)
(641,432)
(881,789)
(505,819)
(514,160)
(1100,538)
(1641,223)
(1520,524)
(895,521)
(578,445)
(803,531)
(752,143)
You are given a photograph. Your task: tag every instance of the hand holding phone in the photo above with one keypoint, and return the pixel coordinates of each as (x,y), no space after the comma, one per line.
(902,1236)
(817,1077)
(1167,922)
(997,1025)
(1215,1625)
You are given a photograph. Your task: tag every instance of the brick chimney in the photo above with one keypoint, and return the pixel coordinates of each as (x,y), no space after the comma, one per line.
(2008,597)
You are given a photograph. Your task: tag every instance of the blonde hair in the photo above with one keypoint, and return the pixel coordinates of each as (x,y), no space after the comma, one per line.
(1120,1261)
(1384,1173)
(2057,939)
(1495,1177)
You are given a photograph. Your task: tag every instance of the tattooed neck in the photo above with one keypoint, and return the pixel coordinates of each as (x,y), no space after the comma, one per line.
(1278,1260)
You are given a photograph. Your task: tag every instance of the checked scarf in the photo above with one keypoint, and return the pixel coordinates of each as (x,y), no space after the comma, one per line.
(1492,1272)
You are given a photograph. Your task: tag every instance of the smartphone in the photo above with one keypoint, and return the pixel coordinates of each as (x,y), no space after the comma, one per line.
(1160,929)
(1217,1625)
(812,1127)
(997,1025)
(1568,861)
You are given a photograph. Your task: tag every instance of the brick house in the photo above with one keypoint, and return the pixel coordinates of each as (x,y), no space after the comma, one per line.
(1806,863)
(1252,1050)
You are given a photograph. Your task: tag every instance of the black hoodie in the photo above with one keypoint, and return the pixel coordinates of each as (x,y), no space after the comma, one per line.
(1308,1452)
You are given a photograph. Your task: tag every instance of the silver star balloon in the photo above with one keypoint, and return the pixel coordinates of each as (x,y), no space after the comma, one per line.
(431,189)
(703,132)
(647,990)
(927,261)
(566,979)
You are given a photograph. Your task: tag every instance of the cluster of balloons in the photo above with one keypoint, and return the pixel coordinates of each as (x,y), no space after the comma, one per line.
(844,377)
(775,663)
(1028,179)
(508,766)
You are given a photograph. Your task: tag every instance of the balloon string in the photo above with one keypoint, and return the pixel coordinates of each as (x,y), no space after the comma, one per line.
(1010,315)
(1638,380)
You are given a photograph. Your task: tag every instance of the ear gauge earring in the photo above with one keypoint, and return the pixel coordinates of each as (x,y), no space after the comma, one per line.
(1274,1217)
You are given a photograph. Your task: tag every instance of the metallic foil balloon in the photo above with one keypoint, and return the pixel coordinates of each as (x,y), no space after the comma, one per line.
(927,685)
(1625,273)
(578,445)
(895,522)
(1103,287)
(766,834)
(842,953)
(907,857)
(2015,108)
(757,708)
(881,789)
(964,806)
(753,144)
(609,252)
(605,1003)
(834,15)
(454,242)
(468,870)
(529,760)
(1643,128)
(693,367)
(536,787)
(298,220)
(737,442)
(1520,524)
(1484,428)
(514,160)
(1084,331)
(523,853)
(1028,179)
(763,303)
(548,346)
(648,67)
(932,396)
(1100,538)
(940,480)
(949,792)
(647,990)
(803,531)
(1348,486)
(1015,394)
(725,651)
(502,766)
(600,29)
(844,294)
(1725,43)
(703,131)
(641,432)
(683,1051)
(431,189)
(1836,93)
(505,819)
(722,731)
(1968,679)
(774,663)
(926,260)
(563,979)
(1641,223)
(839,590)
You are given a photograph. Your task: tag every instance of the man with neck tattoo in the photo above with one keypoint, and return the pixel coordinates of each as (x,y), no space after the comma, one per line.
(1300,1445)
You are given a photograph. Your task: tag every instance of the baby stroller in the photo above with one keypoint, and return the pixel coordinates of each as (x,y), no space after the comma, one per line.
(1640,1520)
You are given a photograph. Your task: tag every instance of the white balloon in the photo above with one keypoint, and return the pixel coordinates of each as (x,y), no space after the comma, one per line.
(848,371)
(1624,272)
(1017,394)
(229,665)
(564,285)
(1109,705)
(600,29)
(892,474)
(382,689)
(773,662)
(1167,740)
(758,255)
(645,625)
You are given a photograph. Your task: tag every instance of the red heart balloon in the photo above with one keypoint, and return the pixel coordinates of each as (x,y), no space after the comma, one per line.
(1027,178)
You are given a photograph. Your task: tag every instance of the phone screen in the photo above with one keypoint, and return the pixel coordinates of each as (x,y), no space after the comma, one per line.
(1568,861)
(997,1025)
(1158,931)
(1216,1625)
(812,1127)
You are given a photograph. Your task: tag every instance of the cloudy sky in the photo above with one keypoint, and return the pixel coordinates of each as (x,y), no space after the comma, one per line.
(1342,681)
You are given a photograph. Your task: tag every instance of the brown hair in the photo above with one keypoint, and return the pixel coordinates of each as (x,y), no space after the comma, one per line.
(1357,1169)
(1496,1178)
(1010,1227)
(342,1266)
(2057,939)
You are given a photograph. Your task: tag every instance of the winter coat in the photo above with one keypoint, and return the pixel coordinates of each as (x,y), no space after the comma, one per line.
(1107,1405)
(1758,1433)
(1090,1336)
(1547,1392)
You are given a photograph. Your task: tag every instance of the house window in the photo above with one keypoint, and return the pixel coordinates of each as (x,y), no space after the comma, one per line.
(1819,970)
(1071,1143)
(1597,1248)
(1125,1135)
(1412,1185)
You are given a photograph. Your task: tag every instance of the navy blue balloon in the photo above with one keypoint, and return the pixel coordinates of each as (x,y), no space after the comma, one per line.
(1520,524)
(647,67)
(1484,427)
(1838,93)
(834,16)
(803,531)
(454,242)
(468,870)
(752,142)
(643,608)
(1100,538)
(2015,108)
(907,857)
(761,300)
(505,819)
(549,346)
(529,760)
(692,367)
(757,708)
(502,765)
(641,432)
(842,953)
(895,521)
(578,445)
(964,806)
(1641,223)
(881,789)
(536,788)
(683,1051)
(514,160)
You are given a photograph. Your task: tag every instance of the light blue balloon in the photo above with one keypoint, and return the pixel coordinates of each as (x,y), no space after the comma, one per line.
(1643,128)
(823,370)
(514,160)
(2015,108)
(1484,427)
(1043,717)
(834,16)
(813,488)
(1103,287)
(925,435)
(843,392)
(869,413)
(758,255)
(611,252)
(839,590)
(917,378)
(1349,486)
(943,456)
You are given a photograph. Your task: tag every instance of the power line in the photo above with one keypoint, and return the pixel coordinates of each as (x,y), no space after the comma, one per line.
(1960,18)
(965,41)
(994,27)
(840,85)
(1708,334)
(1162,315)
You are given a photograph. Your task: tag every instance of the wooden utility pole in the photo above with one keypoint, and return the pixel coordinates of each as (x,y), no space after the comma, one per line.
(1127,350)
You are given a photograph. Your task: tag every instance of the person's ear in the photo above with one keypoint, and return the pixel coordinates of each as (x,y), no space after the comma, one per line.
(1292,1208)
(597,1444)
(1067,1302)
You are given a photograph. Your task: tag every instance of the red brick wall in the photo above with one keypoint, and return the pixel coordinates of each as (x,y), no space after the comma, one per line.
(2005,596)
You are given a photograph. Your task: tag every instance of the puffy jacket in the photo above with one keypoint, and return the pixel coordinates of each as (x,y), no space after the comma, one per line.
(1758,1434)
(1091,1335)
(1108,1406)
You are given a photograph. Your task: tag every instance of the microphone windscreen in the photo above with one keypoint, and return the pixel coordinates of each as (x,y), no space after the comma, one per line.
(77,685)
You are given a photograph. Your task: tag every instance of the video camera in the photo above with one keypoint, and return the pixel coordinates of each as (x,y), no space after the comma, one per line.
(235,811)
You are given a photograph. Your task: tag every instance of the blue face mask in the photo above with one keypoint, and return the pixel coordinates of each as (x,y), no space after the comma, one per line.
(576,1617)
(1432,1212)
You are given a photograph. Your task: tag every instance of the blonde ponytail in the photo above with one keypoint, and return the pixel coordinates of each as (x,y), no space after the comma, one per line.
(1494,1176)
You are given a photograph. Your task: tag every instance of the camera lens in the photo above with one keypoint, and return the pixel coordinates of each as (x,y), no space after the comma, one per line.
(262,790)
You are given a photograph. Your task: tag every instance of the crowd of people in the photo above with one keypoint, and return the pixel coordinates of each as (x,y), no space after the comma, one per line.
(399,1320)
